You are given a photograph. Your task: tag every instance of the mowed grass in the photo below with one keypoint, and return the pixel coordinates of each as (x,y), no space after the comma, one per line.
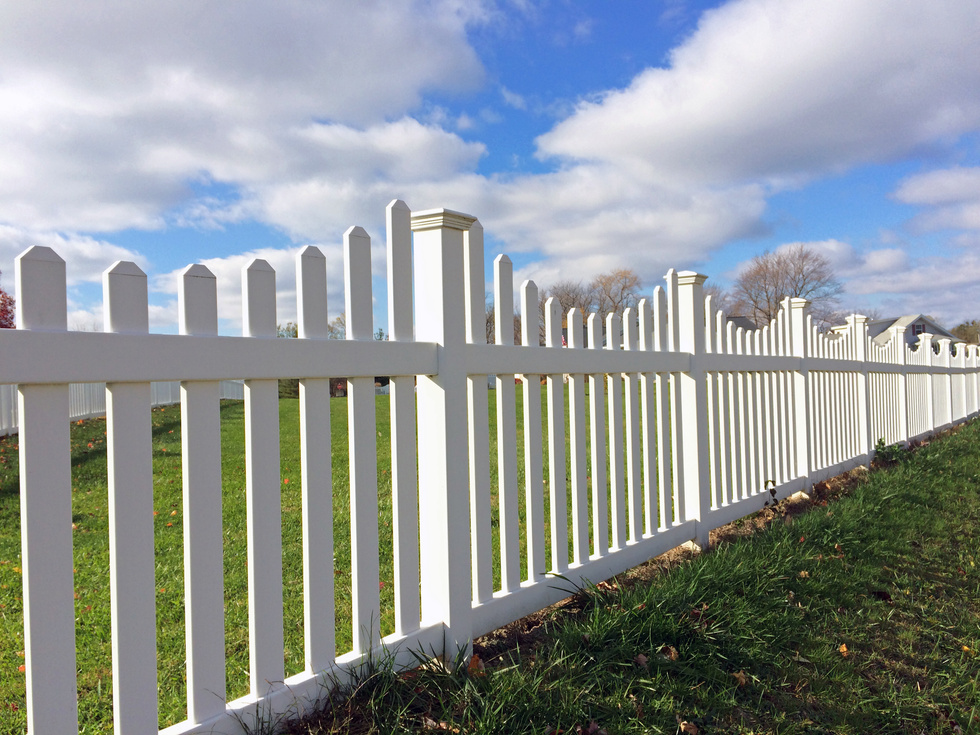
(860,616)
(91,553)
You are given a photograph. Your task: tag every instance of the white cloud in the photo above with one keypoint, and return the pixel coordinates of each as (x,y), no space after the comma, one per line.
(513,99)
(85,257)
(109,111)
(780,92)
(952,198)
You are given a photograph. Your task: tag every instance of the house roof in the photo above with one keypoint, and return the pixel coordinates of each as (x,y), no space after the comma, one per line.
(880,334)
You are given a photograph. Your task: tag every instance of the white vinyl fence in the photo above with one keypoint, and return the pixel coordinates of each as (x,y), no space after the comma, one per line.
(678,423)
(87,400)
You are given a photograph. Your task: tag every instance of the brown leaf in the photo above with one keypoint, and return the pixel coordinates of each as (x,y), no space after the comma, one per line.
(804,574)
(741,678)
(688,727)
(670,653)
(476,667)
(843,650)
(641,660)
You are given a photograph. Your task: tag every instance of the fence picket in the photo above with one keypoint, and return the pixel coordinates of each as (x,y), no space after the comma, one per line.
(533,469)
(481,539)
(263,485)
(315,463)
(557,474)
(201,468)
(45,510)
(664,435)
(503,302)
(362,428)
(404,474)
(617,482)
(577,446)
(634,452)
(648,417)
(597,421)
(131,552)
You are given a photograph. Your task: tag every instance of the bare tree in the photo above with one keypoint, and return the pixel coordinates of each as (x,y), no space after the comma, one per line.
(968,331)
(722,299)
(616,290)
(797,271)
(572,295)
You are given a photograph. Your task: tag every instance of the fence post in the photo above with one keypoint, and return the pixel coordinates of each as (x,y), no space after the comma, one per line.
(443,427)
(45,510)
(800,347)
(692,418)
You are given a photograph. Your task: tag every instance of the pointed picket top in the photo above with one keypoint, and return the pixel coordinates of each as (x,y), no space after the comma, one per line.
(398,225)
(530,318)
(259,299)
(312,319)
(645,325)
(614,330)
(552,322)
(673,307)
(474,292)
(574,328)
(42,297)
(594,329)
(197,301)
(503,300)
(631,336)
(124,292)
(357,284)
(709,323)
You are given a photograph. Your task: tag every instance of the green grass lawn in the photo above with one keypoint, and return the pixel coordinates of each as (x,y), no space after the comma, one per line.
(859,616)
(753,622)
(91,551)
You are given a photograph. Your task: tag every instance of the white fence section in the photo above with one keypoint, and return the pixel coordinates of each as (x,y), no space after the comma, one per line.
(89,399)
(679,425)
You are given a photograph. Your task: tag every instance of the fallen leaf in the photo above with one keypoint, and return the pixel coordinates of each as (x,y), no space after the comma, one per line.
(642,661)
(741,678)
(843,650)
(804,574)
(670,653)
(476,667)
(688,727)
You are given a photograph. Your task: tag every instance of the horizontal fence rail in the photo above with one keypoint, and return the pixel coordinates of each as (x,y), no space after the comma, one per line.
(675,423)
(88,400)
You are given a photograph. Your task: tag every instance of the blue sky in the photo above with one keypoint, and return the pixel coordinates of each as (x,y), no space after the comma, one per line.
(584,135)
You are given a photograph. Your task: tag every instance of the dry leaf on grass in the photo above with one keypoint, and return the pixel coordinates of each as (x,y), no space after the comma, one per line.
(843,650)
(741,678)
(476,667)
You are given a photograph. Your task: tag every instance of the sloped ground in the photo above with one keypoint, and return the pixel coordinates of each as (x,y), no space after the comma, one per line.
(854,611)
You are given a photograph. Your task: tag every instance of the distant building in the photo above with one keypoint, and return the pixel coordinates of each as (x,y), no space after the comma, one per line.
(915,325)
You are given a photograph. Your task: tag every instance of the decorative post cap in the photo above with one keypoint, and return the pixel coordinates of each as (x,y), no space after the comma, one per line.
(437,219)
(685,278)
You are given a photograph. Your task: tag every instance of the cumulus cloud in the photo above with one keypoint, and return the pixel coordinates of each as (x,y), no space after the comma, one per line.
(780,92)
(85,257)
(110,112)
(228,273)
(951,197)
